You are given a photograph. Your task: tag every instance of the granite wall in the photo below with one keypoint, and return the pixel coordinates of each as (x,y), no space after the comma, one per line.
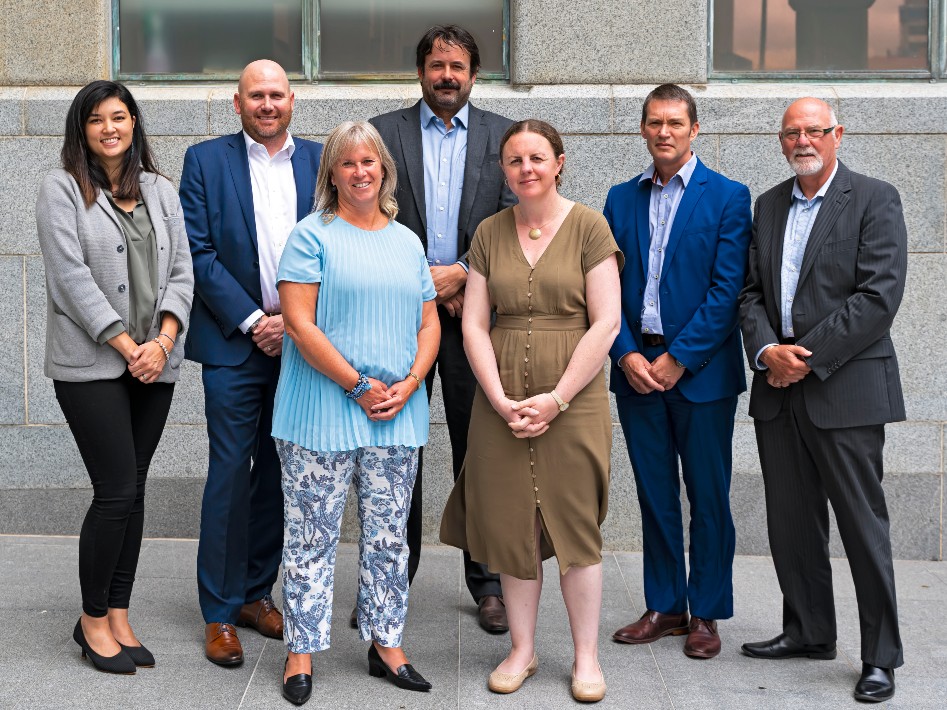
(586,78)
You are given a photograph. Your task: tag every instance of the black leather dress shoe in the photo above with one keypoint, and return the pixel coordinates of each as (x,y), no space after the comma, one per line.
(297,688)
(784,647)
(405,677)
(875,685)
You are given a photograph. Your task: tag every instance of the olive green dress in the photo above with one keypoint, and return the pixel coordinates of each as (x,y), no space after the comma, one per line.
(563,474)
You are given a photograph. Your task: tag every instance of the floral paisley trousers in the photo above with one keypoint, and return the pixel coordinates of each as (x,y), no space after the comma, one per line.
(315,484)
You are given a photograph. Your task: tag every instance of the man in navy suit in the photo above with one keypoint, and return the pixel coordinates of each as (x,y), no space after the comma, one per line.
(677,368)
(242,195)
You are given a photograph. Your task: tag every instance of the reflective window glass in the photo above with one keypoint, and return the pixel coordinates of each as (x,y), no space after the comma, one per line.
(374,37)
(820,35)
(208,37)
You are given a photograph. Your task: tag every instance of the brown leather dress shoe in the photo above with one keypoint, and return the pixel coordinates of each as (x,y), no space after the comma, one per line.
(492,614)
(652,626)
(263,616)
(221,645)
(703,641)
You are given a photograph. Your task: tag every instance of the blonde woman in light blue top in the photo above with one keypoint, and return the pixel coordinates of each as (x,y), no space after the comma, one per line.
(358,307)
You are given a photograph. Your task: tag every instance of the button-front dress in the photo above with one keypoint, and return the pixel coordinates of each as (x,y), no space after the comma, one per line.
(563,474)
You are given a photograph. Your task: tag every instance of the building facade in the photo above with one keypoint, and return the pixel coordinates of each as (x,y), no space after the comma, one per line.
(584,66)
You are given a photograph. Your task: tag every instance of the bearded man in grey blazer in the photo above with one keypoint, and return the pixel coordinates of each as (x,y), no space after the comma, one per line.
(449,180)
(826,274)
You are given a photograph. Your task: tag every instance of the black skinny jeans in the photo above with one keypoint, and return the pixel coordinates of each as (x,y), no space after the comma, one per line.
(117,425)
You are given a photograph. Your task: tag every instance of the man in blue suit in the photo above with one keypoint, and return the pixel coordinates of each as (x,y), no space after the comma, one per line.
(242,195)
(677,368)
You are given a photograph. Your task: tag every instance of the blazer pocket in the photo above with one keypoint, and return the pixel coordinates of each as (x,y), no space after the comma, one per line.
(70,345)
(840,245)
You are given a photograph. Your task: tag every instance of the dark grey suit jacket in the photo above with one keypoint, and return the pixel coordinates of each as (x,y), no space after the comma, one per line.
(484,192)
(850,286)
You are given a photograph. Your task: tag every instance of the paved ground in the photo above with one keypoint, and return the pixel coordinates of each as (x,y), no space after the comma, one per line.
(40,665)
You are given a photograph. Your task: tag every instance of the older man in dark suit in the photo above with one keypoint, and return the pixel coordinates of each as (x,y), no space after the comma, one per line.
(826,276)
(449,180)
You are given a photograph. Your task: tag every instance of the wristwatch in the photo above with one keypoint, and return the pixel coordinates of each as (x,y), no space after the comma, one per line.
(563,405)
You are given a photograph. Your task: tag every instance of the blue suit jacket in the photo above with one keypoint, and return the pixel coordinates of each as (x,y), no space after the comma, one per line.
(218,212)
(704,268)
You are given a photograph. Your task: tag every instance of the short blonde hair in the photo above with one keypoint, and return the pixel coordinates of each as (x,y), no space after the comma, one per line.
(343,138)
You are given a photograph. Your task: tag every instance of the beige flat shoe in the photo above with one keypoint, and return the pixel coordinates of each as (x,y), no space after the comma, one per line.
(588,691)
(511,682)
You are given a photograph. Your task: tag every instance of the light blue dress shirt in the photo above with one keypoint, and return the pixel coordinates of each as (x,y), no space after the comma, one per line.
(802,215)
(372,288)
(445,156)
(664,203)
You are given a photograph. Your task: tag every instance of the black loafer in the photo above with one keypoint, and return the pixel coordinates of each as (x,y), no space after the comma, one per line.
(405,677)
(140,655)
(297,688)
(875,685)
(784,647)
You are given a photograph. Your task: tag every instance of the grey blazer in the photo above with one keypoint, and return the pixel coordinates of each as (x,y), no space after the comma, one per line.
(850,286)
(87,275)
(484,193)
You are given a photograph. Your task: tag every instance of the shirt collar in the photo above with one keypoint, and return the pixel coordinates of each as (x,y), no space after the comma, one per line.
(288,145)
(685,173)
(797,191)
(427,115)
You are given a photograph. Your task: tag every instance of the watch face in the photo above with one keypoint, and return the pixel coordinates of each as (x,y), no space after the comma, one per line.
(563,407)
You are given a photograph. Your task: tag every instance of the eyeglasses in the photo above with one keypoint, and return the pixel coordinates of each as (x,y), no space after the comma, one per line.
(812,133)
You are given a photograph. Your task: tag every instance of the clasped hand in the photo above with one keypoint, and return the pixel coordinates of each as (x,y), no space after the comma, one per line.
(786,364)
(530,417)
(268,335)
(381,403)
(645,377)
(146,362)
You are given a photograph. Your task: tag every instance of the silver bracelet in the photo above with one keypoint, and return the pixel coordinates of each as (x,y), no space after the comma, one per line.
(167,355)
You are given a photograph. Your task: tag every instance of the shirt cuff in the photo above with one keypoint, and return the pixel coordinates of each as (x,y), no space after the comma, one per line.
(622,358)
(245,326)
(465,267)
(757,363)
(117,328)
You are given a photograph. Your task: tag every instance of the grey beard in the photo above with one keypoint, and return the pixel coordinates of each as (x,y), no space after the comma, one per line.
(809,168)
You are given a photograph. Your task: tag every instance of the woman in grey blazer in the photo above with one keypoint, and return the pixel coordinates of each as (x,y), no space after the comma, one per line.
(119,287)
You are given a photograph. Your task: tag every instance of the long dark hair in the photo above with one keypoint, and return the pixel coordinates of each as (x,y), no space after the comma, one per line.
(79,162)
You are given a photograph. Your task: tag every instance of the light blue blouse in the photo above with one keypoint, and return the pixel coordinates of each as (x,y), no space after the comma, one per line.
(372,286)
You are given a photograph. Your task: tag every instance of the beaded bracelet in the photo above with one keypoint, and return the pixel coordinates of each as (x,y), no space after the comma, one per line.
(360,388)
(415,376)
(167,355)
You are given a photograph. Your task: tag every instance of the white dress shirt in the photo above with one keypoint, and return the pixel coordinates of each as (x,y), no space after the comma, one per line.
(274,210)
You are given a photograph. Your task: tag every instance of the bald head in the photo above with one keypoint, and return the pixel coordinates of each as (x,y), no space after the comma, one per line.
(809,105)
(264,103)
(809,138)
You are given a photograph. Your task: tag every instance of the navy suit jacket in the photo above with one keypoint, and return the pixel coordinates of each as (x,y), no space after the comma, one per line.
(704,268)
(221,227)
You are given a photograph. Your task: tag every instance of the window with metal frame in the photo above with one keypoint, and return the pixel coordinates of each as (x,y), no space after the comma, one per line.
(359,40)
(818,39)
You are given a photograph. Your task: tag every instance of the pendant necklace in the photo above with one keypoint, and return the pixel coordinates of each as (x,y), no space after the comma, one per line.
(536,233)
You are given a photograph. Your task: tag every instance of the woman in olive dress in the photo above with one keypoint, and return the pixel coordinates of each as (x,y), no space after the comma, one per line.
(535,479)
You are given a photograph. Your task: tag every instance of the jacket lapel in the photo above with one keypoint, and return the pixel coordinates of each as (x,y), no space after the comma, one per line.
(149,195)
(835,200)
(302,174)
(240,172)
(476,148)
(103,202)
(685,208)
(642,224)
(410,132)
(781,205)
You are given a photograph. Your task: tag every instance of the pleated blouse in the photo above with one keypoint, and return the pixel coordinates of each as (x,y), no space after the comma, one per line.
(372,287)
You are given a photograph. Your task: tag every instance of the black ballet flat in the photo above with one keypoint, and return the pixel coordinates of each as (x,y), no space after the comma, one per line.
(120,663)
(140,656)
(297,688)
(405,677)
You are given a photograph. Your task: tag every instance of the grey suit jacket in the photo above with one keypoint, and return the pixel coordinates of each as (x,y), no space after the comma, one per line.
(484,192)
(850,286)
(87,275)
